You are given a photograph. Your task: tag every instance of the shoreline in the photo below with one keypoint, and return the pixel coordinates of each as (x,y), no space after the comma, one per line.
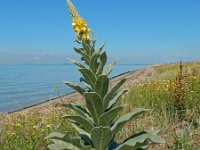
(59,97)
(135,76)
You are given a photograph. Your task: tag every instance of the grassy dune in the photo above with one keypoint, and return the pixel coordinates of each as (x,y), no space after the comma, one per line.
(180,128)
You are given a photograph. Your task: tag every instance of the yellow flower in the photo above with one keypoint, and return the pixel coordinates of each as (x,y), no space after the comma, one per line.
(79,24)
(34,127)
(17,125)
(8,133)
(48,126)
(13,133)
(194,77)
(81,29)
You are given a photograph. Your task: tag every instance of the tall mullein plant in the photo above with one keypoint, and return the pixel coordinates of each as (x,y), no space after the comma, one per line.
(97,124)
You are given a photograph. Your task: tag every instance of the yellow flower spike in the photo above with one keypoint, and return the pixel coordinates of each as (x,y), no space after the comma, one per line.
(79,25)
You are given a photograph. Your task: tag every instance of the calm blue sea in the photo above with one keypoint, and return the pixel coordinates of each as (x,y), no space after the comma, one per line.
(25,85)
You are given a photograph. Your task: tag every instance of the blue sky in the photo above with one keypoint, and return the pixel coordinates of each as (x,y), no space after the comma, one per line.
(136,31)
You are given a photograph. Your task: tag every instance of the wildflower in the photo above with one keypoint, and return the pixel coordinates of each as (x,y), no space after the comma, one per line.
(48,126)
(17,125)
(13,133)
(8,133)
(80,28)
(79,24)
(34,127)
(194,77)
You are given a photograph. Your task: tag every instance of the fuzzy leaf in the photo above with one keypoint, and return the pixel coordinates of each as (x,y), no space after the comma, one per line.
(75,87)
(101,137)
(80,130)
(83,53)
(87,48)
(101,47)
(78,109)
(108,116)
(118,125)
(86,124)
(101,85)
(140,140)
(57,138)
(76,63)
(89,77)
(73,144)
(94,62)
(62,145)
(113,92)
(94,105)
(115,99)
(103,60)
(55,135)
(110,67)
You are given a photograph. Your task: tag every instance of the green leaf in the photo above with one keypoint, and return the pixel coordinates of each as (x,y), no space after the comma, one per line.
(76,63)
(101,137)
(73,143)
(86,124)
(80,130)
(94,105)
(118,125)
(110,67)
(94,62)
(78,109)
(103,60)
(83,53)
(75,87)
(113,92)
(89,77)
(101,47)
(62,145)
(140,140)
(87,48)
(101,85)
(115,99)
(78,41)
(94,42)
(109,116)
(55,135)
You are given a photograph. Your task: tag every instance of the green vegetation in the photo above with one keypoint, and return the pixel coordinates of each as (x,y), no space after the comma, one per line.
(111,119)
(27,131)
(98,123)
(159,95)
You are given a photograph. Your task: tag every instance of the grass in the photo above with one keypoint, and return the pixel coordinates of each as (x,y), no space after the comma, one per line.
(27,131)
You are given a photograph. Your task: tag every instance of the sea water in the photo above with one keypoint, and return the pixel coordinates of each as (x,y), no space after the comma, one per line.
(25,85)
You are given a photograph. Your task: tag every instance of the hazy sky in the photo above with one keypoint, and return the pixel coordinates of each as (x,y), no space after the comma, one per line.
(136,31)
